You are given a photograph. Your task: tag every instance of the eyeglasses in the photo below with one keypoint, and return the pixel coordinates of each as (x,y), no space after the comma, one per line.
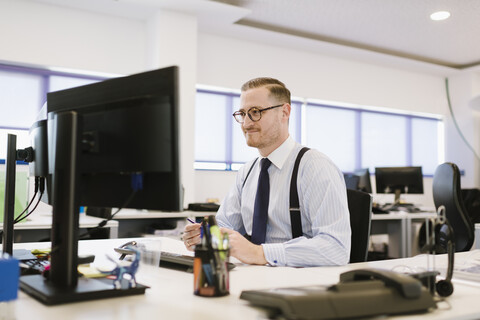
(254,113)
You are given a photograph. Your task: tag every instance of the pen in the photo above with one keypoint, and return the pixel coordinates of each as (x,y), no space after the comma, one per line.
(190,220)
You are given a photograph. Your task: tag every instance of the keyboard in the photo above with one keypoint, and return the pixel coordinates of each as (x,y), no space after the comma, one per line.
(33,266)
(181,262)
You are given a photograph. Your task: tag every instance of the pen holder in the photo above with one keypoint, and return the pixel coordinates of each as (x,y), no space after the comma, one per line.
(210,272)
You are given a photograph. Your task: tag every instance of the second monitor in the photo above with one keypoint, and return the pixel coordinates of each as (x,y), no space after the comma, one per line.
(359,180)
(398,180)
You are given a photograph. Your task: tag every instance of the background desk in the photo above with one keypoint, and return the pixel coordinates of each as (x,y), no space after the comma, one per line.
(171,297)
(136,223)
(398,226)
(39,224)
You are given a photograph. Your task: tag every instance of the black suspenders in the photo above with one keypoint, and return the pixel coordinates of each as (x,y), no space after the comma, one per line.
(295,216)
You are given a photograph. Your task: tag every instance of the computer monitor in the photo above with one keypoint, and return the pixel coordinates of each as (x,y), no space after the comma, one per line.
(110,144)
(364,183)
(351,180)
(399,180)
(358,180)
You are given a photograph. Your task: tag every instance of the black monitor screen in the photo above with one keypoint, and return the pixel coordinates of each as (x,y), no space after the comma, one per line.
(399,180)
(128,127)
(358,180)
(351,180)
(364,183)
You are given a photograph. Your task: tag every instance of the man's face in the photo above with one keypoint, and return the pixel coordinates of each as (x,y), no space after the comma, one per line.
(271,130)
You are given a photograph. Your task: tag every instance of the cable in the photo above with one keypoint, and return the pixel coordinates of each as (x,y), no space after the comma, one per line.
(105,221)
(39,186)
(19,217)
(28,214)
(136,184)
(455,121)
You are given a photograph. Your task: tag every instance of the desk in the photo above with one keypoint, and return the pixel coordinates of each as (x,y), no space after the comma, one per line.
(171,297)
(135,222)
(39,224)
(398,226)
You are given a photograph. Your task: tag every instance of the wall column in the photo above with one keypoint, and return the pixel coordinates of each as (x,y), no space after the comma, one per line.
(172,40)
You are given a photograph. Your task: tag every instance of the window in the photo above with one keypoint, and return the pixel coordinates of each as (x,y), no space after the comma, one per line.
(24,91)
(383,140)
(219,140)
(353,137)
(21,96)
(332,131)
(212,108)
(426,149)
(57,83)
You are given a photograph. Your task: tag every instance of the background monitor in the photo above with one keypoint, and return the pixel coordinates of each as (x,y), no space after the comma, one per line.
(364,183)
(399,180)
(358,180)
(351,180)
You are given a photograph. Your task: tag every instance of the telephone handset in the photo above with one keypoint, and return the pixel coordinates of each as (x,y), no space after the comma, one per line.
(406,285)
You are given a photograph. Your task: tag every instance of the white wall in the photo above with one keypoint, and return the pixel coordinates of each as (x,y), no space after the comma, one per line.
(456,149)
(48,35)
(229,63)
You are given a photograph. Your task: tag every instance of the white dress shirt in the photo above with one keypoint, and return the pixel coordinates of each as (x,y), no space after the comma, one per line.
(323,204)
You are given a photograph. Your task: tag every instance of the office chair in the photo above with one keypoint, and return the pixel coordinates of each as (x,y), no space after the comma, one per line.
(447,192)
(360,207)
(471,200)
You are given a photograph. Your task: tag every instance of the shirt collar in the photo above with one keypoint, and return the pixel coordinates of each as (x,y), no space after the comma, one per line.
(280,155)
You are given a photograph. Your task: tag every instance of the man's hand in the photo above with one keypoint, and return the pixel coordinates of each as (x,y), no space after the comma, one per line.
(244,250)
(191,235)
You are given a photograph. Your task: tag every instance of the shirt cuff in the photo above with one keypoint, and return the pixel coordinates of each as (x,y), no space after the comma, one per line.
(274,254)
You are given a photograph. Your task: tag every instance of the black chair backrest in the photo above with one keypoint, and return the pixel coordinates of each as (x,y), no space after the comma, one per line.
(360,207)
(471,200)
(447,192)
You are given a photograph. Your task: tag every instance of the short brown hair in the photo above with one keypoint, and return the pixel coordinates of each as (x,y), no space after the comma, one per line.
(277,88)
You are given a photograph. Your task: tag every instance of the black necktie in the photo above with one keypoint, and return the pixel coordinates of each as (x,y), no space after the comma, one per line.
(260,213)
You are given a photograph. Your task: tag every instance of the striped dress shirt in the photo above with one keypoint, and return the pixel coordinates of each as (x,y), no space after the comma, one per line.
(323,204)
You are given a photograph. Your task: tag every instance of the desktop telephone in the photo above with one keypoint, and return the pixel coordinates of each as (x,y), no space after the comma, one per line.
(360,293)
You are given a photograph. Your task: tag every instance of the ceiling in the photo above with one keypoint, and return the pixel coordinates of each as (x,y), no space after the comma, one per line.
(394,30)
(399,28)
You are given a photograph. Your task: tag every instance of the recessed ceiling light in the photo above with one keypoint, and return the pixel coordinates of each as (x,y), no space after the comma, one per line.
(440,15)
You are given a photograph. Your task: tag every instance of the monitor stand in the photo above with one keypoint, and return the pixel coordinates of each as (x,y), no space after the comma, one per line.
(63,284)
(86,289)
(9,204)
(396,201)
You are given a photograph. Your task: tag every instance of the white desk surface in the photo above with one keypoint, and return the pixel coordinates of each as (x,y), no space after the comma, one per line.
(171,297)
(43,220)
(403,215)
(153,214)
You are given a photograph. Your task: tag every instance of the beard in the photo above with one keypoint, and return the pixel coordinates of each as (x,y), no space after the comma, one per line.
(259,139)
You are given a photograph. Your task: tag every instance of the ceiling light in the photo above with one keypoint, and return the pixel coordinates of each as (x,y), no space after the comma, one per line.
(440,15)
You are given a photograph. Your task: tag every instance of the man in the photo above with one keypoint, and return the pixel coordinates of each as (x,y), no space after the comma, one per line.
(264,114)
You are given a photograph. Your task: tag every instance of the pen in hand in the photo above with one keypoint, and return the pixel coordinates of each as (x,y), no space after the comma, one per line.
(190,220)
